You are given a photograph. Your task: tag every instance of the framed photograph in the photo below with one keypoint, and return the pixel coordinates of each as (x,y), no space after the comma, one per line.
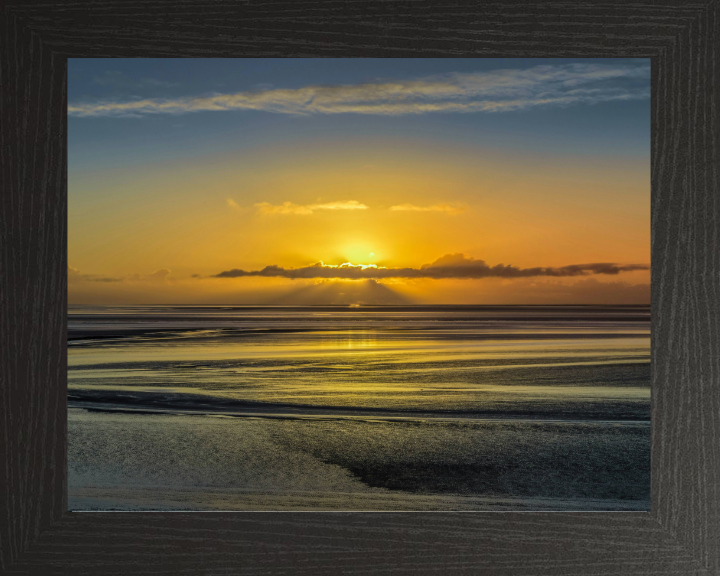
(337,290)
(279,295)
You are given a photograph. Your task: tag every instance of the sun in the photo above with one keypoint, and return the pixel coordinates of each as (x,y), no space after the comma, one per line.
(358,252)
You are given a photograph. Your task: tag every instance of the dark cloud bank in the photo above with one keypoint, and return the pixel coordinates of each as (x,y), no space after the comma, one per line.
(456,266)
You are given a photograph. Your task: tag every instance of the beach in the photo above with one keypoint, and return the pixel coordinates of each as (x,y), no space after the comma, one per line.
(366,408)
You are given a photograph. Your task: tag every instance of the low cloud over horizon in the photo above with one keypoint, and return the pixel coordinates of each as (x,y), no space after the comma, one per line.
(492,91)
(450,266)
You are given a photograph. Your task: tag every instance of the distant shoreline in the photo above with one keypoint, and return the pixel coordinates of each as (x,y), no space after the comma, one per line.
(354,307)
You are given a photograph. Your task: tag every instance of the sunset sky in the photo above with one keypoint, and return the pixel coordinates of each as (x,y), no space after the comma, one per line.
(260,181)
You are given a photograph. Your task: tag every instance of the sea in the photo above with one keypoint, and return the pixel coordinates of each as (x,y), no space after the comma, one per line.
(360,408)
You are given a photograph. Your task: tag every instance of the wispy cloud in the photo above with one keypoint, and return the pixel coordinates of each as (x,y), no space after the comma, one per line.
(74,275)
(234,205)
(449,266)
(292,208)
(447,208)
(494,91)
(161,275)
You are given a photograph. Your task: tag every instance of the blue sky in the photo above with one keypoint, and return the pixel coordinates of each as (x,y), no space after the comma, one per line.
(182,170)
(604,128)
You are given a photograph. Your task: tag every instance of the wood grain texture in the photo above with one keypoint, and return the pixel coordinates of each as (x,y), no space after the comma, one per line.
(33,262)
(682,533)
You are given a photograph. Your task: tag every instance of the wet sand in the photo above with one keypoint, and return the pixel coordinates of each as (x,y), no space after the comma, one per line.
(390,408)
(125,461)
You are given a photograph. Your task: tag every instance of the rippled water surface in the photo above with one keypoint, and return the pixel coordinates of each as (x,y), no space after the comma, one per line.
(408,408)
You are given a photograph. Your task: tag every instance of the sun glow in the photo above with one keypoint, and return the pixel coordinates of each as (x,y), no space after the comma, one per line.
(348,265)
(365,194)
(357,252)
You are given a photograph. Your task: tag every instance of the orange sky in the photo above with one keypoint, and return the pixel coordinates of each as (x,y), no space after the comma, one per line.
(202,217)
(158,231)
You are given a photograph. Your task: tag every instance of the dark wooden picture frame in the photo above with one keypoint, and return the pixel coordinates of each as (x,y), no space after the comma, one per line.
(681,534)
